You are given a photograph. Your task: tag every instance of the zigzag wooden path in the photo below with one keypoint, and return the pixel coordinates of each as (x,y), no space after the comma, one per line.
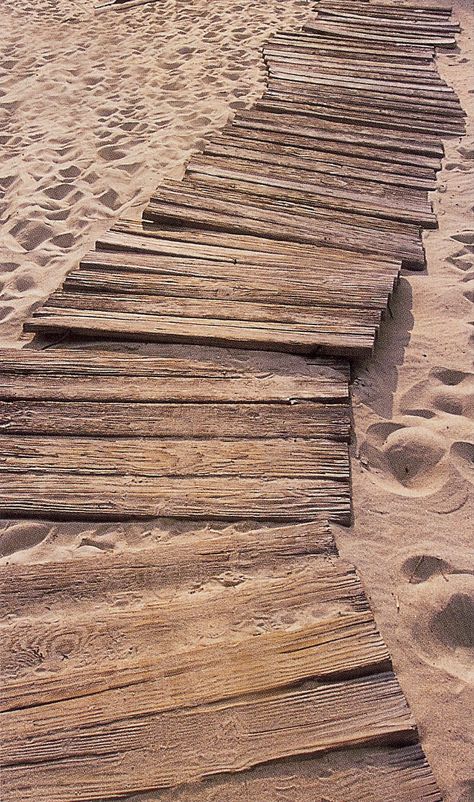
(206,664)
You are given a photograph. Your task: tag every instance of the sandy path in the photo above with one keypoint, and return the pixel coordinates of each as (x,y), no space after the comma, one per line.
(413,466)
(98,108)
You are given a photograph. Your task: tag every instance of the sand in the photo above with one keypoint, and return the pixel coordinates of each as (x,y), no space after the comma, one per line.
(99,109)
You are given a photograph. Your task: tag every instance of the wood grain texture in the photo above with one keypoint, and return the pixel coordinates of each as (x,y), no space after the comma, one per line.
(114,419)
(232,736)
(223,376)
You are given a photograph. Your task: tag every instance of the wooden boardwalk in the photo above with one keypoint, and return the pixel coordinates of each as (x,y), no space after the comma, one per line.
(206,666)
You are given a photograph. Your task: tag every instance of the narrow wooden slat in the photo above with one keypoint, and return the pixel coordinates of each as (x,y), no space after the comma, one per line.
(184,559)
(355,294)
(348,47)
(369,197)
(66,496)
(421,25)
(154,457)
(378,238)
(377,35)
(119,623)
(232,737)
(223,376)
(93,418)
(290,337)
(381,120)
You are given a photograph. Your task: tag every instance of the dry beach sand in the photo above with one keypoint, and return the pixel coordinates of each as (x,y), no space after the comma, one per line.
(97,110)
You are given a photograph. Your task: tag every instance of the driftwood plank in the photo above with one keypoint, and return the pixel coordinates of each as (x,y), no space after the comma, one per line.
(383,120)
(221,376)
(298,158)
(183,560)
(232,736)
(127,625)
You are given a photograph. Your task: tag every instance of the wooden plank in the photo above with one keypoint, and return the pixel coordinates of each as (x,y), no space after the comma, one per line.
(383,119)
(148,238)
(366,775)
(341,289)
(197,606)
(335,648)
(411,164)
(219,376)
(375,237)
(334,131)
(306,159)
(355,196)
(323,67)
(93,418)
(167,457)
(407,96)
(414,23)
(347,47)
(233,736)
(360,236)
(205,209)
(288,337)
(373,34)
(70,496)
(180,561)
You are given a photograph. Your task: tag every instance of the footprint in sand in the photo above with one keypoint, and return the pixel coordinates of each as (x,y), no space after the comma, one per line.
(443,622)
(21,536)
(444,391)
(407,460)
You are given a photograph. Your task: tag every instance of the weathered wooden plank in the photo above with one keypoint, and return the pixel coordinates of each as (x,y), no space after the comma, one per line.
(268,220)
(93,418)
(308,160)
(379,34)
(154,457)
(170,613)
(232,736)
(195,556)
(65,496)
(332,130)
(384,159)
(365,775)
(326,283)
(350,48)
(355,196)
(327,65)
(407,98)
(287,336)
(320,293)
(148,238)
(375,237)
(324,317)
(338,647)
(222,376)
(383,119)
(415,23)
